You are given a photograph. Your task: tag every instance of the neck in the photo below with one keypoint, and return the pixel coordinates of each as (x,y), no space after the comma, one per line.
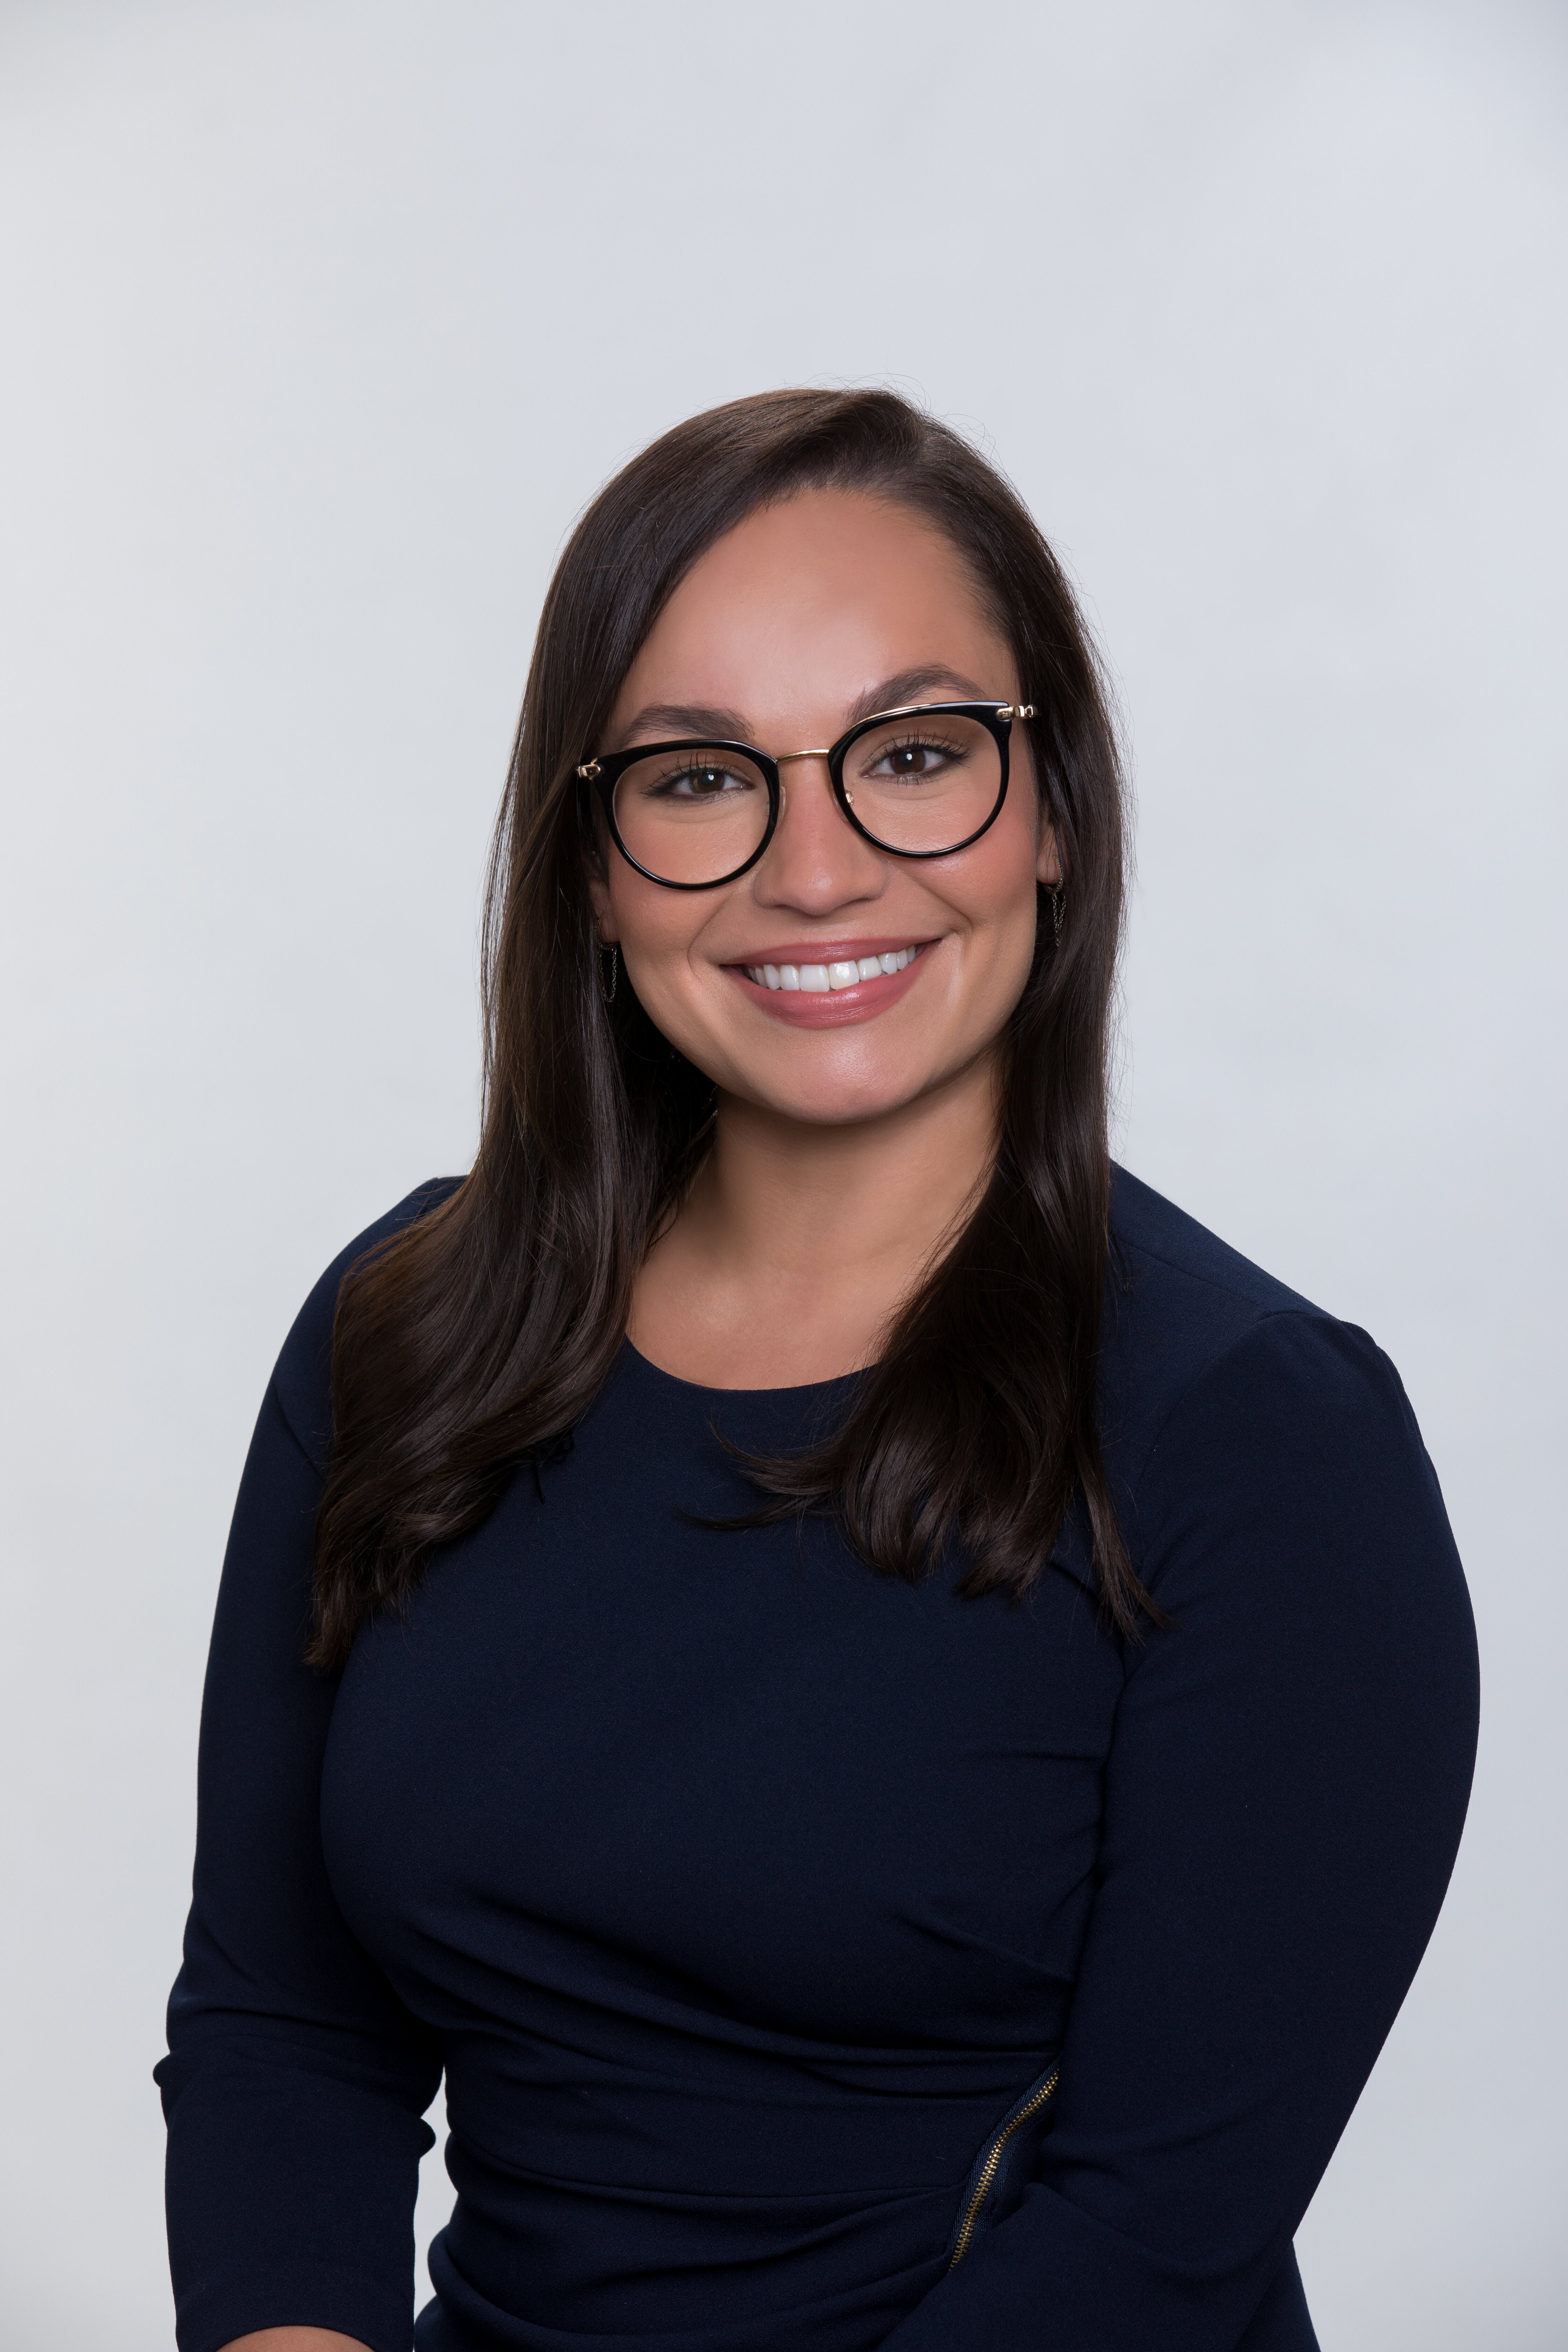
(797,1242)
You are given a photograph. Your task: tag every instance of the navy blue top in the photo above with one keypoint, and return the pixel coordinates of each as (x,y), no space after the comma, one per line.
(741,1892)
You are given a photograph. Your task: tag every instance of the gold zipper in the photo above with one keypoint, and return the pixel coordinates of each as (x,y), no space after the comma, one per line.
(993,2158)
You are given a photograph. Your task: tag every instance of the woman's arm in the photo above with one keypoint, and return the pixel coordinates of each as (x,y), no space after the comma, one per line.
(1283,1802)
(296,2081)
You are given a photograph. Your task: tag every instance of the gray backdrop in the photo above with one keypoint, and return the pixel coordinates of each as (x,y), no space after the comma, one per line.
(320,324)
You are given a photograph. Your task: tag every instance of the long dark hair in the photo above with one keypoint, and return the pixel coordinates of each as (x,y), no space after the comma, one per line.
(469,1344)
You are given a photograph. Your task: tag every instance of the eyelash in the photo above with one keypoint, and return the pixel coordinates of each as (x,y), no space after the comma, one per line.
(929,742)
(918,743)
(690,768)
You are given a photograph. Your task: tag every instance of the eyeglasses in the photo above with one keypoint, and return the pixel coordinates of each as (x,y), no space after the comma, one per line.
(923,782)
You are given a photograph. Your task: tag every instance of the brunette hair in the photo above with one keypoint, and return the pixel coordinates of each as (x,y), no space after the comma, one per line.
(470,1343)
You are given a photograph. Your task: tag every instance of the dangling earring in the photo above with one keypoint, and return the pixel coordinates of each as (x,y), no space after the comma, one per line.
(609,993)
(1058,900)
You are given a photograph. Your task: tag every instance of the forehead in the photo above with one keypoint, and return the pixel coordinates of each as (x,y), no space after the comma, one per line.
(804,607)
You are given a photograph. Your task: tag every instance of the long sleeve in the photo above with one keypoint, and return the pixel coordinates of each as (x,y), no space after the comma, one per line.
(296,2081)
(1283,1800)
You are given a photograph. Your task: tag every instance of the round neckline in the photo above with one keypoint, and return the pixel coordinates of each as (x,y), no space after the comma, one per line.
(703,1388)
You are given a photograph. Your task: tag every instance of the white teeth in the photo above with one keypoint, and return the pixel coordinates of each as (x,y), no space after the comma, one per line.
(817,979)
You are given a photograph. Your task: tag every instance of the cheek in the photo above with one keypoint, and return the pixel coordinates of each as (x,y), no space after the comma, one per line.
(653,924)
(995,883)
(658,932)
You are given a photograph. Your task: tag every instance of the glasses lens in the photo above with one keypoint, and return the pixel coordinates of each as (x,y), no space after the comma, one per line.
(925,783)
(692,816)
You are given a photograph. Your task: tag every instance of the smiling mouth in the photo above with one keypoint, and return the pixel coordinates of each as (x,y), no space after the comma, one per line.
(820,978)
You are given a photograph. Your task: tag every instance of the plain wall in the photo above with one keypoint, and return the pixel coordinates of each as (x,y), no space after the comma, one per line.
(320,324)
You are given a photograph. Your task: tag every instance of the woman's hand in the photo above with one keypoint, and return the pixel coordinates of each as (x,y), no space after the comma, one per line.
(296,2339)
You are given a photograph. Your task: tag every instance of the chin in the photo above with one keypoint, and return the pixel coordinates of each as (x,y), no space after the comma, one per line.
(846,1101)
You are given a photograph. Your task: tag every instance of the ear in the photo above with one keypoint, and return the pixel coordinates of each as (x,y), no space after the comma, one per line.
(1048,860)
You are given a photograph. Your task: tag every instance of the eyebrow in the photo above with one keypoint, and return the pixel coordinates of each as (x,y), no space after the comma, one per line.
(709,720)
(912,686)
(714,722)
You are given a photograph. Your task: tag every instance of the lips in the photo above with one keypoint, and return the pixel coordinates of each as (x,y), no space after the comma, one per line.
(827,990)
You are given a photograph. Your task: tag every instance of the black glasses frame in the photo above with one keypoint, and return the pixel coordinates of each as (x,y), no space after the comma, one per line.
(603,773)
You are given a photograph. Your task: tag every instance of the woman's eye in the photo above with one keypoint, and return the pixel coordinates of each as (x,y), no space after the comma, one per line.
(915,761)
(701,784)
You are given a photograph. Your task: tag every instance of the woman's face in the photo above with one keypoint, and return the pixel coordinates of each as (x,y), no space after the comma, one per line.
(804,617)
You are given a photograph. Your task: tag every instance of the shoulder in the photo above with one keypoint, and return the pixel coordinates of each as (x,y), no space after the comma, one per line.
(1263,1446)
(1205,1352)
(1182,1274)
(301,1381)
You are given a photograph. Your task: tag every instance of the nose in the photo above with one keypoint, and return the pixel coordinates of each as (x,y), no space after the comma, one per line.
(815,861)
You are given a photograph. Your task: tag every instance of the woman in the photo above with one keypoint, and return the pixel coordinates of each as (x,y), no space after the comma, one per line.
(894,1715)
